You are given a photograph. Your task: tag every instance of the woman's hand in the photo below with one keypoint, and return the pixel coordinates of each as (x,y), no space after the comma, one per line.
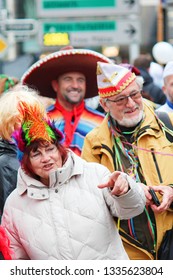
(117,183)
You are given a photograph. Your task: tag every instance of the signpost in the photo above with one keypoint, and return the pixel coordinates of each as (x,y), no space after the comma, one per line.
(79,8)
(93,33)
(20,26)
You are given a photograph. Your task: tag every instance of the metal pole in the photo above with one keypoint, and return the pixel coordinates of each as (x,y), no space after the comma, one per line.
(134,51)
(160,35)
(12,45)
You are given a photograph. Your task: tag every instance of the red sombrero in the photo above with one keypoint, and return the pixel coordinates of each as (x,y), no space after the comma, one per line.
(41,73)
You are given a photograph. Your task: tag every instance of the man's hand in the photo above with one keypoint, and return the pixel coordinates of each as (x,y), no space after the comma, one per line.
(117,183)
(167,198)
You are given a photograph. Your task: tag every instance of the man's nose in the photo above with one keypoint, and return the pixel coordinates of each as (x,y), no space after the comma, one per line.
(130,101)
(75,83)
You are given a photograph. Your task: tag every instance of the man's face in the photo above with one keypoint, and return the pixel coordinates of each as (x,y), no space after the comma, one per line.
(70,87)
(168,87)
(129,111)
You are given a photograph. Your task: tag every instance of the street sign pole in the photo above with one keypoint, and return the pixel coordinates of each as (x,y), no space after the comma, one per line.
(134,51)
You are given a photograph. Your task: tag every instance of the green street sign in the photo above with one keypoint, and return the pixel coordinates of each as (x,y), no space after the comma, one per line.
(84,26)
(68,4)
(89,33)
(80,8)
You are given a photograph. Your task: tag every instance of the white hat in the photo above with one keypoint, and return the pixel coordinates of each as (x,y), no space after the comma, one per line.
(112,79)
(168,70)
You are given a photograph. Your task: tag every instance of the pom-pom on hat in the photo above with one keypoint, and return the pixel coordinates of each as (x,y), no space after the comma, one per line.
(49,68)
(168,70)
(112,79)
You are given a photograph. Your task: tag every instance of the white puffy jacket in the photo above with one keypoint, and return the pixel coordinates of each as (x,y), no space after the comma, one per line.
(72,218)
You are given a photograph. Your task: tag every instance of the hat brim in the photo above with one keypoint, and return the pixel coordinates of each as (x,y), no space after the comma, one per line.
(41,73)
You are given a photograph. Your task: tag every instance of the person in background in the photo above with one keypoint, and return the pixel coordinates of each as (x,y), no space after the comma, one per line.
(9,163)
(132,139)
(7,82)
(142,62)
(137,72)
(167,88)
(63,206)
(156,72)
(69,76)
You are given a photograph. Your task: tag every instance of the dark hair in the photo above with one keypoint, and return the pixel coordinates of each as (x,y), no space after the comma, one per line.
(143,61)
(26,164)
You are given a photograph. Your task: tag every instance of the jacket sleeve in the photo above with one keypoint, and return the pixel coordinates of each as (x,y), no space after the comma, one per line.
(128,205)
(15,244)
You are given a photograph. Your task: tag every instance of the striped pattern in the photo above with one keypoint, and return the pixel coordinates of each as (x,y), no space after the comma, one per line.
(89,119)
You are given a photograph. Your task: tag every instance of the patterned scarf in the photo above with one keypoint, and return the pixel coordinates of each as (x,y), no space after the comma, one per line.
(126,160)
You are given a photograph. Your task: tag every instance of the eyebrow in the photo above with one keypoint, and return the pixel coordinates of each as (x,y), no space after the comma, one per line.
(133,91)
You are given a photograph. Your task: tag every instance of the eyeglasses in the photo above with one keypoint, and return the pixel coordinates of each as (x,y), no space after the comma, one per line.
(124,99)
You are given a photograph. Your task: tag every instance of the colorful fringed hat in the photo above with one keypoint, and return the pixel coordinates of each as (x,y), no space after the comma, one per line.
(24,118)
(112,79)
(50,67)
(35,126)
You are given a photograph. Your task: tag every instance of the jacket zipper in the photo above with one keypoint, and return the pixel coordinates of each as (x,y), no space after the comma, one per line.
(156,165)
(136,243)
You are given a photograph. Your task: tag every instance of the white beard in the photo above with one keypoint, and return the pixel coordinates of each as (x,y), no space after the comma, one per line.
(132,121)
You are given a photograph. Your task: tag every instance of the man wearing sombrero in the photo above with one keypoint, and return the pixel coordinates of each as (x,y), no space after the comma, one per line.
(68,75)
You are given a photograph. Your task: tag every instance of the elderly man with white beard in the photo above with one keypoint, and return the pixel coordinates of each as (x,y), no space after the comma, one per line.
(132,139)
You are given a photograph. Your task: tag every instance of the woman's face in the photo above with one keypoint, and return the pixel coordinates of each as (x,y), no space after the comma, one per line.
(44,160)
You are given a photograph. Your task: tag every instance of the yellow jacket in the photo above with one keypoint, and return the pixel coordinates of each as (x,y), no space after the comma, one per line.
(98,148)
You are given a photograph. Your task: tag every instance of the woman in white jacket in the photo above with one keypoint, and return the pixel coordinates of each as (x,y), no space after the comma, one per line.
(64,207)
